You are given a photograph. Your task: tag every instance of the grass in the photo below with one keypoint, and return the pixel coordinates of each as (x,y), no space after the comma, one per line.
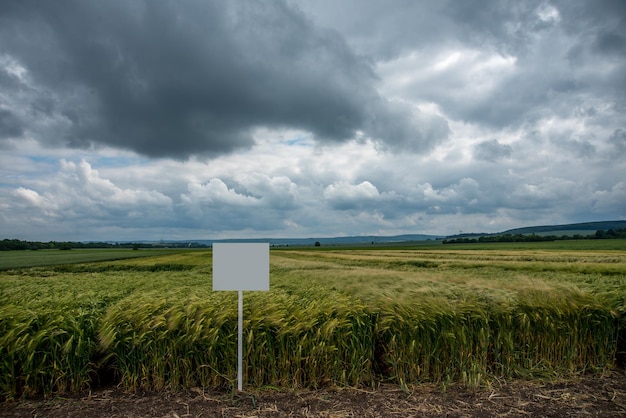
(333,316)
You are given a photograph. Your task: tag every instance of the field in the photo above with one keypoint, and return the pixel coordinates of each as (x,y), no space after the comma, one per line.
(357,317)
(20,259)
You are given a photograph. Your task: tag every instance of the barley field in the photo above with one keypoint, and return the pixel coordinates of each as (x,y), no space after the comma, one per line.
(333,316)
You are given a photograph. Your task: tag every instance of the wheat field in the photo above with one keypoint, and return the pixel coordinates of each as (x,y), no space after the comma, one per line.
(339,316)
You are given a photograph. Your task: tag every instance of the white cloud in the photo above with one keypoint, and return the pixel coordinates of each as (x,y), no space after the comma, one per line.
(351,196)
(453,75)
(548,13)
(279,192)
(216,192)
(77,196)
(608,202)
(30,199)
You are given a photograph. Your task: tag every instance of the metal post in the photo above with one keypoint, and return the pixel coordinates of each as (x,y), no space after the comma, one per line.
(240,344)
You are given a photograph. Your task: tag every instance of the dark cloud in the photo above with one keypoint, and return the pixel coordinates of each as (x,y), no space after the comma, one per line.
(10,125)
(405,129)
(610,43)
(579,17)
(166,78)
(492,151)
(579,148)
(618,142)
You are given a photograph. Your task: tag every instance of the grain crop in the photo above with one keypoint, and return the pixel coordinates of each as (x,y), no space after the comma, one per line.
(332,317)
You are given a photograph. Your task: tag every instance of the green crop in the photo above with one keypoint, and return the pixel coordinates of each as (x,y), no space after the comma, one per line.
(333,317)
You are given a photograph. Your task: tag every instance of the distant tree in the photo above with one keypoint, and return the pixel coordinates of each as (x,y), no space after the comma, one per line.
(317,243)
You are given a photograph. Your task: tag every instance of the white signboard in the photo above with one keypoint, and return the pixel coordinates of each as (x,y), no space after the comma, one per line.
(241,266)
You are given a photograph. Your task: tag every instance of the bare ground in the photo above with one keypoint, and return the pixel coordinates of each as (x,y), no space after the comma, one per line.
(601,396)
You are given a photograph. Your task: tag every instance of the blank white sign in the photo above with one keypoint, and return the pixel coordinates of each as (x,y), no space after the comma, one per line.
(241,266)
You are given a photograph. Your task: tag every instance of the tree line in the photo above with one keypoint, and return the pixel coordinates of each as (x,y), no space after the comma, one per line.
(600,234)
(16,244)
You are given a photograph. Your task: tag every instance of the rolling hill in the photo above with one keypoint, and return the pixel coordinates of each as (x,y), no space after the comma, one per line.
(585,228)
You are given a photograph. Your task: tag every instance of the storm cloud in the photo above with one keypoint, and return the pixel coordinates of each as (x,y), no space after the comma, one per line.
(167,79)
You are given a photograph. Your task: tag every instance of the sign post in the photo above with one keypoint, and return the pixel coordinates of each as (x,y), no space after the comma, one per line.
(241,266)
(240,343)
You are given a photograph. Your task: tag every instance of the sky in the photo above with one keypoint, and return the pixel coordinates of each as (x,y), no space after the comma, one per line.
(206,119)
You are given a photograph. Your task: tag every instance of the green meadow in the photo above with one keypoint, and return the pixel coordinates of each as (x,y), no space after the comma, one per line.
(338,316)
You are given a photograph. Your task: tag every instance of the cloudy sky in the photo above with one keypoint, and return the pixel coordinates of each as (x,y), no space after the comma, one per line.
(200,119)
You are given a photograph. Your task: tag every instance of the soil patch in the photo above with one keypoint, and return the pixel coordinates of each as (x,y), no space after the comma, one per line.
(602,396)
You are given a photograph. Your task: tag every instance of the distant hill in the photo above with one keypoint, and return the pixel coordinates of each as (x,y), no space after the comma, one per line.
(569,229)
(586,228)
(566,230)
(351,240)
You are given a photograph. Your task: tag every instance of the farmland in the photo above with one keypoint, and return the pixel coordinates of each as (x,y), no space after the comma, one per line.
(333,316)
(19,259)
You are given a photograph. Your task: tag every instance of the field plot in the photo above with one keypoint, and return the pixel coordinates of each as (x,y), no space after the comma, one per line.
(20,259)
(332,317)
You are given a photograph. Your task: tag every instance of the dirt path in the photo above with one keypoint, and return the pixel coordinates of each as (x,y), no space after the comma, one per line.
(588,396)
